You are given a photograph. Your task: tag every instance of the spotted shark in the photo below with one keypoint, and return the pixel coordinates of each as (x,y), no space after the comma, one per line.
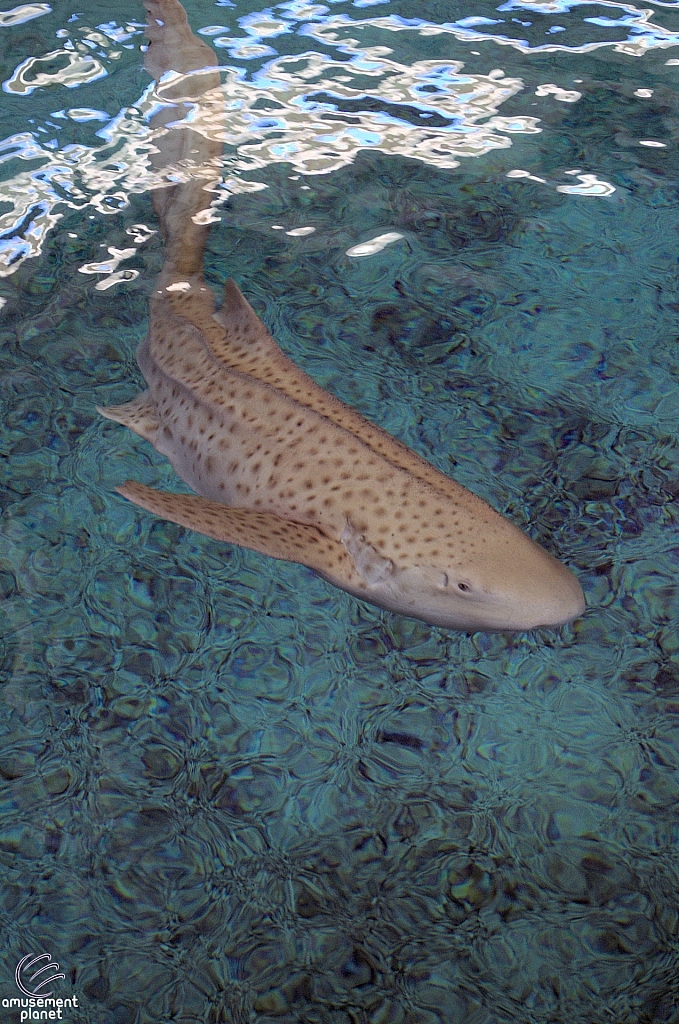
(281,466)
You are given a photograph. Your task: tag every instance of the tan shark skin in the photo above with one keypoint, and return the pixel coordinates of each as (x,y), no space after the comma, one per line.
(281,466)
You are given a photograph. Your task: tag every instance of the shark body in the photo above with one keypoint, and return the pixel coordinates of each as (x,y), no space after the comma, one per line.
(281,466)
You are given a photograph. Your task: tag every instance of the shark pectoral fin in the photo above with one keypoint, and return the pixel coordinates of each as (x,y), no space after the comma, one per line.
(259,531)
(369,563)
(139,415)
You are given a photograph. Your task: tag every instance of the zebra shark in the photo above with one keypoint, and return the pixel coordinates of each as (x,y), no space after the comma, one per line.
(281,466)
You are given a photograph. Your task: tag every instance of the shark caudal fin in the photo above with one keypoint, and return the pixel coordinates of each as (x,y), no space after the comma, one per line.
(187,152)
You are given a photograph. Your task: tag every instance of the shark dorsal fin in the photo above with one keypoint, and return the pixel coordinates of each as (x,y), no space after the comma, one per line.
(248,347)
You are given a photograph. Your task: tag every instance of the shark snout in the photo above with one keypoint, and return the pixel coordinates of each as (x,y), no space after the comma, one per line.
(555,609)
(548,593)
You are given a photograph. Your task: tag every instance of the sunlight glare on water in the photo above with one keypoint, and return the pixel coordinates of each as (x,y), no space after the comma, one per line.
(231,792)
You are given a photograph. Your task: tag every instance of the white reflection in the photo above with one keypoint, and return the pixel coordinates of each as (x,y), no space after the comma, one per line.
(76,64)
(375,245)
(206,217)
(518,173)
(311,110)
(589,186)
(19,15)
(141,233)
(633,33)
(318,113)
(308,110)
(87,114)
(212,30)
(563,95)
(110,268)
(121,276)
(77,69)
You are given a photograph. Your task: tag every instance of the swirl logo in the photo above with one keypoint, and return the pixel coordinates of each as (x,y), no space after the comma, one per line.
(47,971)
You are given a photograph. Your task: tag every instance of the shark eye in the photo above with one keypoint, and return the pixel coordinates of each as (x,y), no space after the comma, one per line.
(463,587)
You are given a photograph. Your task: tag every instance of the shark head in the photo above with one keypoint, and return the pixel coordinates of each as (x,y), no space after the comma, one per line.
(508,583)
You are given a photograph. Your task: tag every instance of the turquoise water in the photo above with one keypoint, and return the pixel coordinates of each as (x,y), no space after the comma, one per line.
(231,792)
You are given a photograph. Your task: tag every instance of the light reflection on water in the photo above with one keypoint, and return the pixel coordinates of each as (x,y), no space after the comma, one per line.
(309,109)
(231,792)
(306,110)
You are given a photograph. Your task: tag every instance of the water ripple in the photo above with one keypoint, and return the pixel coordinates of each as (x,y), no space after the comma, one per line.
(308,110)
(633,32)
(314,110)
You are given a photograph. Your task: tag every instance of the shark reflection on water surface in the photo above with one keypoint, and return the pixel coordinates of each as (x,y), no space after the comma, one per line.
(278,464)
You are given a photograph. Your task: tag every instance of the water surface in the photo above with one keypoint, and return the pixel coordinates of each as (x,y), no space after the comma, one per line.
(231,792)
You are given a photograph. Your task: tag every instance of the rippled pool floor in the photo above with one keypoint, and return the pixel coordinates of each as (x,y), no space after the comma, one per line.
(229,791)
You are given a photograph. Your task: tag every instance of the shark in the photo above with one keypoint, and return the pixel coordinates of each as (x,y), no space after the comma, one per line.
(279,465)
